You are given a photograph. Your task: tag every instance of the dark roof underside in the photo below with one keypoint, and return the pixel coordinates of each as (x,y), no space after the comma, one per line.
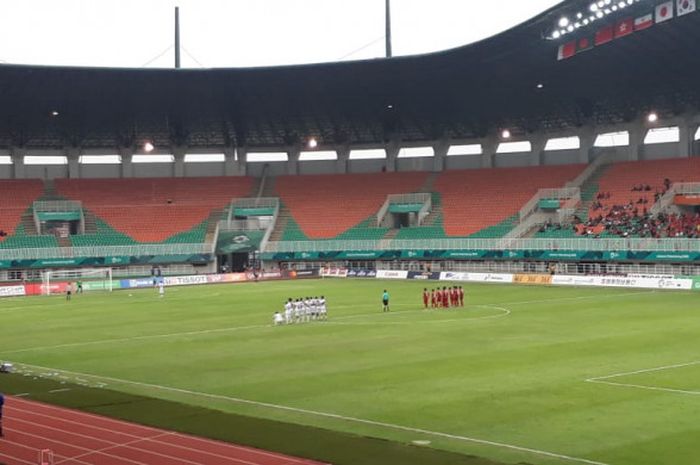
(461,93)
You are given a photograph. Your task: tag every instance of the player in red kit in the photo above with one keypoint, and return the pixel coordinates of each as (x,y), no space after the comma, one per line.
(433,302)
(461,296)
(426,297)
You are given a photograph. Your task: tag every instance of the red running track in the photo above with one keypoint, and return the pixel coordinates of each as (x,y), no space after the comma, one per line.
(79,438)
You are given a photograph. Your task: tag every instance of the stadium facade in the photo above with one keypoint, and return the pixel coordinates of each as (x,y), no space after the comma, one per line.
(613,91)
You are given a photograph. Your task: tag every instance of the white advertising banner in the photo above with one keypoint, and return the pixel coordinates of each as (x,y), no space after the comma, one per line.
(12,291)
(334,272)
(391,274)
(476,277)
(185,280)
(623,281)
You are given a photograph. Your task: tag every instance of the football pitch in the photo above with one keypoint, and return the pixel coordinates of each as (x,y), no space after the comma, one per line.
(538,375)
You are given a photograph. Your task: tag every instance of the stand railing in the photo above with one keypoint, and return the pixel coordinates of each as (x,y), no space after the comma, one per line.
(105,251)
(620,244)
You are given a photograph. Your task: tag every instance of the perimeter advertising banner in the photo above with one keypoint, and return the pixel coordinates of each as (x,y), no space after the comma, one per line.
(533,279)
(12,291)
(391,274)
(476,277)
(623,281)
(424,275)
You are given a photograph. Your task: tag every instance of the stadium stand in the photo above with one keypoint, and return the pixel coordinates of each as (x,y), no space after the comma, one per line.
(628,190)
(152,209)
(16,197)
(326,206)
(495,196)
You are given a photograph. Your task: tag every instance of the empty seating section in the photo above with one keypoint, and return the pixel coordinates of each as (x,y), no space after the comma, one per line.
(105,235)
(473,200)
(325,206)
(364,231)
(620,178)
(16,197)
(155,209)
(20,240)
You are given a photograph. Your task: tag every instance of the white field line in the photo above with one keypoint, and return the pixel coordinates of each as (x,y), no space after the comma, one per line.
(240,328)
(603,379)
(335,416)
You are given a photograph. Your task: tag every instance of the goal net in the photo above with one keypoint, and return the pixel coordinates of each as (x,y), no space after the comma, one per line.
(83,279)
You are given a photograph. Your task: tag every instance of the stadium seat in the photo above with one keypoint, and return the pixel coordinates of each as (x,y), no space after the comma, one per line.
(153,210)
(473,200)
(16,197)
(326,206)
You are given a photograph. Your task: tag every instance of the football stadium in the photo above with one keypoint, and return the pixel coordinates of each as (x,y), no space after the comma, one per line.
(487,255)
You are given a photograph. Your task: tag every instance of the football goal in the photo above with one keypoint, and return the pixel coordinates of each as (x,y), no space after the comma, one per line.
(91,279)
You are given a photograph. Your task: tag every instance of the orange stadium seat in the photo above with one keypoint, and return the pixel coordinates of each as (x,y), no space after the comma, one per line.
(154,209)
(16,196)
(620,178)
(327,205)
(476,199)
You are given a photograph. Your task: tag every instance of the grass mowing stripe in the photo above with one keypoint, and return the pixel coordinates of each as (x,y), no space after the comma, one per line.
(324,414)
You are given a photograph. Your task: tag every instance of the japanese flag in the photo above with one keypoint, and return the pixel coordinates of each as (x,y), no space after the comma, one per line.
(664,12)
(685,6)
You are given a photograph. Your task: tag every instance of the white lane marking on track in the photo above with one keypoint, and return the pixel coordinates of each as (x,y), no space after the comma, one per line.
(330,415)
(107,420)
(605,379)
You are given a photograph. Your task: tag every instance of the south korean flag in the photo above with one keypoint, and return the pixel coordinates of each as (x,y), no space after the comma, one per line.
(683,7)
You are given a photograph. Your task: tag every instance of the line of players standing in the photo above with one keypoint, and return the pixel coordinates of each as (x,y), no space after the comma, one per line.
(302,311)
(446,297)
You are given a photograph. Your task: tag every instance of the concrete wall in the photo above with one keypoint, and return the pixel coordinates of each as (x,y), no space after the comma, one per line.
(100,171)
(317,167)
(561,157)
(463,162)
(153,170)
(415,164)
(366,166)
(45,171)
(205,169)
(509,160)
(659,151)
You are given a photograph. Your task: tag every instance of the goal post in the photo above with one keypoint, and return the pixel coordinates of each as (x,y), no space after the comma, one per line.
(92,279)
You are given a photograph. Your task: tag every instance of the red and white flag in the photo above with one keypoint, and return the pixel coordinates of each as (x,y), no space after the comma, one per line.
(683,7)
(567,50)
(664,12)
(644,22)
(624,28)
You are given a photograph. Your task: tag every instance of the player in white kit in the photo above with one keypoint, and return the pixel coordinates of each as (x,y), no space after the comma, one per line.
(288,311)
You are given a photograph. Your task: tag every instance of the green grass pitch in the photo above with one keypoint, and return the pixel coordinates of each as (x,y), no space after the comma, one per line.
(538,375)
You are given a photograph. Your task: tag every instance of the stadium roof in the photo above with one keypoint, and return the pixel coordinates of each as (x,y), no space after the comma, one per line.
(460,93)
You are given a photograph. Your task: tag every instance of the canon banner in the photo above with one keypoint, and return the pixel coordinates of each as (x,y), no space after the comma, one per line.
(391,274)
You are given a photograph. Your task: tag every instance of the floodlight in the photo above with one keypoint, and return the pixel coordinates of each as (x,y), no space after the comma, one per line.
(594,7)
(652,117)
(54,113)
(556,34)
(313,143)
(540,86)
(505,134)
(564,21)
(148,147)
(599,14)
(579,15)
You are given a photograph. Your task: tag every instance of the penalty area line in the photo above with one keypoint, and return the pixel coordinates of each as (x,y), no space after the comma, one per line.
(606,379)
(335,416)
